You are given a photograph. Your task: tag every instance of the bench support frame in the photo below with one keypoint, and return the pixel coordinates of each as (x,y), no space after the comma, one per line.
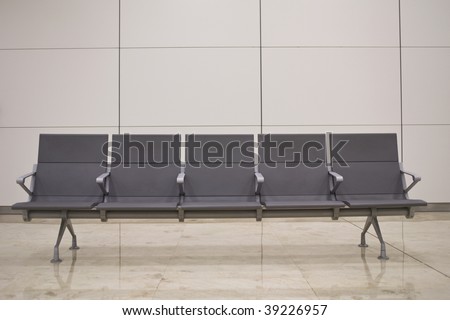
(66,223)
(103,215)
(373,220)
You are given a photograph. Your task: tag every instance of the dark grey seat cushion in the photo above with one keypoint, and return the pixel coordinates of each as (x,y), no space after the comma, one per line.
(300,202)
(221,203)
(228,184)
(139,203)
(68,165)
(72,148)
(380,201)
(59,203)
(370,178)
(373,185)
(385,203)
(64,186)
(291,182)
(144,180)
(298,181)
(67,179)
(54,205)
(372,175)
(156,149)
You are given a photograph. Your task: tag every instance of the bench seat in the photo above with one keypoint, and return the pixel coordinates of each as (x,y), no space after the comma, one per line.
(221,203)
(139,203)
(292,203)
(55,205)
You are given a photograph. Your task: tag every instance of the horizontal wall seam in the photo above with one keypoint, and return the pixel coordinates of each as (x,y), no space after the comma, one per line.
(223,47)
(115,127)
(334,125)
(229,126)
(425,124)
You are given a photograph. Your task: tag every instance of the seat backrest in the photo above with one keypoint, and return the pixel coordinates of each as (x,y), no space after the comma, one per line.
(144,166)
(293,164)
(368,163)
(68,165)
(219,165)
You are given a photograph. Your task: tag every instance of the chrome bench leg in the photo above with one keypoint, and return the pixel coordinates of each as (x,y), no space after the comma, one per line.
(62,229)
(363,243)
(74,236)
(65,224)
(376,226)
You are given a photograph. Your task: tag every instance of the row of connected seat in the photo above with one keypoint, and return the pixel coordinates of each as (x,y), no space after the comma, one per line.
(281,175)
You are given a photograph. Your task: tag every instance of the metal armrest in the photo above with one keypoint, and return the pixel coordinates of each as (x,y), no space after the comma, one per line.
(337,180)
(415,178)
(101,181)
(21,182)
(259,181)
(180,182)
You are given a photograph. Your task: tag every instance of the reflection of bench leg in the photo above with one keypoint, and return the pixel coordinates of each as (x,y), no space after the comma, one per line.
(62,229)
(376,226)
(74,237)
(363,233)
(65,284)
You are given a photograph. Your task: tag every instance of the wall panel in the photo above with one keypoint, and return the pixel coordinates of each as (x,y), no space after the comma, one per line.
(59,23)
(331,86)
(425,22)
(180,23)
(426,85)
(170,87)
(330,23)
(40,88)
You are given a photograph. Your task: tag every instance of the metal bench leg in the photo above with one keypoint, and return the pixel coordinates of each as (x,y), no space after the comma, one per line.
(103,217)
(62,229)
(74,236)
(335,214)
(410,214)
(363,233)
(180,215)
(258,214)
(376,226)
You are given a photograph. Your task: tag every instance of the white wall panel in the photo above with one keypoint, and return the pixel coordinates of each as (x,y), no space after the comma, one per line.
(426,85)
(427,153)
(58,23)
(330,23)
(58,88)
(180,23)
(335,129)
(331,86)
(21,149)
(425,22)
(173,87)
(188,130)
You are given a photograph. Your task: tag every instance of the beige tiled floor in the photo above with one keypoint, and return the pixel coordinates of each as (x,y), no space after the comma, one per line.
(227,259)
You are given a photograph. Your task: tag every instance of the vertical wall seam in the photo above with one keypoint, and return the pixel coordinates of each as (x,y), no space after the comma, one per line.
(260,68)
(401,75)
(118,94)
(261,119)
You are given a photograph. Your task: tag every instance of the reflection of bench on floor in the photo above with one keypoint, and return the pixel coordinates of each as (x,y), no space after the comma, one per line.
(296,175)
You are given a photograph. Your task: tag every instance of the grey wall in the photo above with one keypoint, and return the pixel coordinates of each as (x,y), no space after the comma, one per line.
(195,66)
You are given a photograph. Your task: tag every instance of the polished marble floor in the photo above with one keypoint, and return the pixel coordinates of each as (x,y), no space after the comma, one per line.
(227,259)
